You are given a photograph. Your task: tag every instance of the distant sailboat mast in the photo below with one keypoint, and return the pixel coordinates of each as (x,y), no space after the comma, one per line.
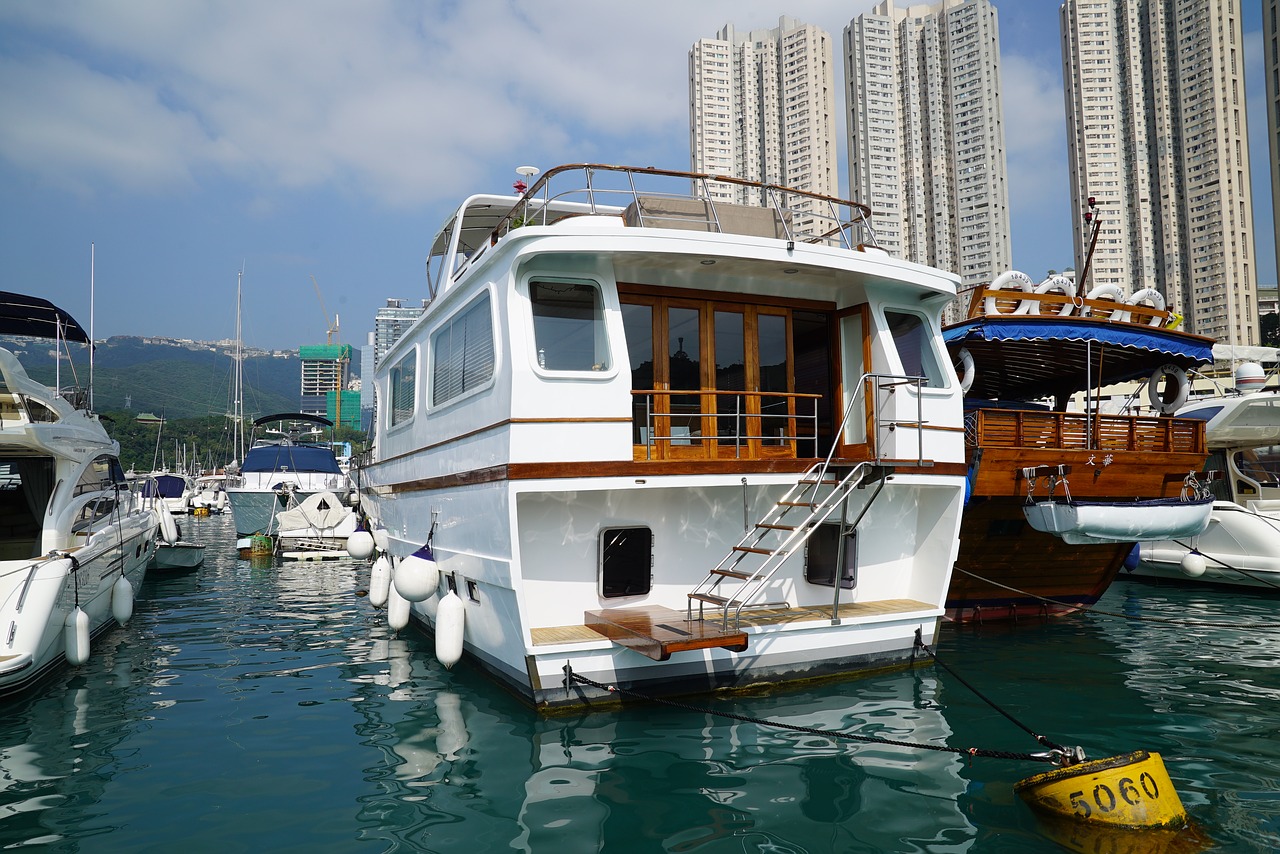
(91,315)
(238,403)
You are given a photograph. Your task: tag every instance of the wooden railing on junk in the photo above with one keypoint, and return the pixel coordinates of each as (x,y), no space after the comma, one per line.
(999,428)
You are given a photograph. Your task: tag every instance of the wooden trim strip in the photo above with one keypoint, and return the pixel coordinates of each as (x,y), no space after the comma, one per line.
(642,469)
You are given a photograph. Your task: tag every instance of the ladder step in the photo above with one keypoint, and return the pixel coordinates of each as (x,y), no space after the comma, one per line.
(776,527)
(732,573)
(826,481)
(797,504)
(753,551)
(708,597)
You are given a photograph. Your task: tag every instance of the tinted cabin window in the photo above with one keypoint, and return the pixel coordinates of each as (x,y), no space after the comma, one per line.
(403,389)
(626,562)
(914,342)
(462,353)
(568,326)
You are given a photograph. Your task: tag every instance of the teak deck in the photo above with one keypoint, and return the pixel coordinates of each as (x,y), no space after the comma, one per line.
(656,631)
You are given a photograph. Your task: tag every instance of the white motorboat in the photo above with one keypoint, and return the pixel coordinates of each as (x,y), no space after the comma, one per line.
(171,491)
(644,436)
(285,467)
(1241,546)
(315,527)
(74,539)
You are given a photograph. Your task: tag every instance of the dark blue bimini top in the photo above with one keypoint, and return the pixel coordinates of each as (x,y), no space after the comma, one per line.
(1028,358)
(268,458)
(164,486)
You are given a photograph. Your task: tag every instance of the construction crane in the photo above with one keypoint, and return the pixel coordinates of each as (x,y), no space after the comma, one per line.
(331,329)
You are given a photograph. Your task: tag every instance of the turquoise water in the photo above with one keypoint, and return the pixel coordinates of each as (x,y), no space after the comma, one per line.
(250,708)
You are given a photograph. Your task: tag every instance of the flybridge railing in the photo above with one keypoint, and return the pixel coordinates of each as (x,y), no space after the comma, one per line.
(655,198)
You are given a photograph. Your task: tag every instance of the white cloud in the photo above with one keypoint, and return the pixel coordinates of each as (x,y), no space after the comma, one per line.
(403,102)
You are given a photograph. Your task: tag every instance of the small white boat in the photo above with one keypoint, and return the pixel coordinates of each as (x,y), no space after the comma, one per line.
(75,541)
(179,555)
(1098,522)
(316,525)
(283,468)
(1241,545)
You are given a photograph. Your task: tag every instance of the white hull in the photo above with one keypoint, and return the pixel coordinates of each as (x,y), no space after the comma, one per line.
(1241,549)
(531,569)
(1091,523)
(527,432)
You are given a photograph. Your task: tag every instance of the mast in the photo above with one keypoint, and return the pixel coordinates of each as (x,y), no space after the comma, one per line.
(238,402)
(91,338)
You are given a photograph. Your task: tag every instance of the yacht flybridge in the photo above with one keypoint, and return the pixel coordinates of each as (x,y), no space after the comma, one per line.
(667,431)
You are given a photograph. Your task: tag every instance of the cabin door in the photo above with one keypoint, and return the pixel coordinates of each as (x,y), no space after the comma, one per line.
(724,380)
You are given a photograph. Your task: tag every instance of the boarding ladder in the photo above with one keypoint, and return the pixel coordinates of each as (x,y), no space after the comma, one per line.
(824,489)
(744,572)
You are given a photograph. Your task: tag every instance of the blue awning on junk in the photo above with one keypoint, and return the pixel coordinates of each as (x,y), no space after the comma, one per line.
(1176,345)
(1029,358)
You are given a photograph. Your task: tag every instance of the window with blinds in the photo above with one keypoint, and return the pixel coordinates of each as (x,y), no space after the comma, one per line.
(462,352)
(403,389)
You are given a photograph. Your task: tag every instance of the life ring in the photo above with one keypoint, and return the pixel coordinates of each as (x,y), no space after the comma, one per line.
(1175,390)
(992,306)
(966,372)
(1110,292)
(1145,295)
(1053,283)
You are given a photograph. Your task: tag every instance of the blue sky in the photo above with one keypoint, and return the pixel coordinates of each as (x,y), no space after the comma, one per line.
(301,138)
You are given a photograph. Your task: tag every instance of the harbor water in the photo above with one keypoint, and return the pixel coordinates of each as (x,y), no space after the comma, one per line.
(251,707)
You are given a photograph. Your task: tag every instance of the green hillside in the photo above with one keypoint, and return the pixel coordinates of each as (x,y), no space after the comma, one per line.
(171,380)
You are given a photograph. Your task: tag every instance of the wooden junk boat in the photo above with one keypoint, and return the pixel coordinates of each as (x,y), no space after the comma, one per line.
(1060,490)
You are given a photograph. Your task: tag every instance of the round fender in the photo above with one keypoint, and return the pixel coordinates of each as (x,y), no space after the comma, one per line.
(76,637)
(168,527)
(122,600)
(1174,395)
(1011,279)
(1103,292)
(397,610)
(966,370)
(450,615)
(379,581)
(416,576)
(1062,285)
(1146,295)
(360,544)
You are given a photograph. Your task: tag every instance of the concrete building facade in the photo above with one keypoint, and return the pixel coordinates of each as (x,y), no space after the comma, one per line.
(762,108)
(926,134)
(1157,133)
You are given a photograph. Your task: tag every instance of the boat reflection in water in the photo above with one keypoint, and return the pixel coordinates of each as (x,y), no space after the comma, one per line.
(681,779)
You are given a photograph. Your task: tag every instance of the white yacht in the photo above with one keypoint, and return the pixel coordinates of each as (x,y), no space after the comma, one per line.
(1241,546)
(74,540)
(285,467)
(643,436)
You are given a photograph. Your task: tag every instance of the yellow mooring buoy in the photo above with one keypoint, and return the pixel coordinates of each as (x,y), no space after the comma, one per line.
(1130,792)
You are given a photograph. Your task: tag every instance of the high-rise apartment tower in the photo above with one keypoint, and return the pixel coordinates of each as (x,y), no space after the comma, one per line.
(1156,132)
(762,108)
(926,134)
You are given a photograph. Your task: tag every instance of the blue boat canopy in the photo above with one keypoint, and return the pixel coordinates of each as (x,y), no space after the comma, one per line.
(269,458)
(1030,358)
(164,486)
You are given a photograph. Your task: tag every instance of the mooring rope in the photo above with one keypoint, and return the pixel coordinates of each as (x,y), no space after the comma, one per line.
(1056,756)
(1076,606)
(1247,573)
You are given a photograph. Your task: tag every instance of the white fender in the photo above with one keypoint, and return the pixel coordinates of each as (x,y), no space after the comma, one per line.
(417,576)
(1108,292)
(967,372)
(381,538)
(1193,564)
(1146,295)
(221,503)
(122,600)
(360,544)
(397,610)
(1054,283)
(450,616)
(379,581)
(1175,393)
(76,635)
(1009,278)
(168,527)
